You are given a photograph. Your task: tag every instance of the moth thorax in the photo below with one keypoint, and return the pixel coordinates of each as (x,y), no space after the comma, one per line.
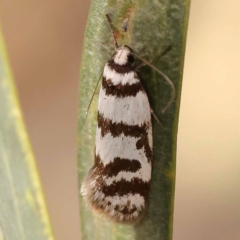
(124,55)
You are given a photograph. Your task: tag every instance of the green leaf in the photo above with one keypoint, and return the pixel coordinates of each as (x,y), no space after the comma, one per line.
(153,26)
(23,214)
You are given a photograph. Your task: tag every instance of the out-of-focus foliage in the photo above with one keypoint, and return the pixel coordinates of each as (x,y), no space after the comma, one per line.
(23,214)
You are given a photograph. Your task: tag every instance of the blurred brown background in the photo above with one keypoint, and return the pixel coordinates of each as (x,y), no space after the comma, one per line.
(44,40)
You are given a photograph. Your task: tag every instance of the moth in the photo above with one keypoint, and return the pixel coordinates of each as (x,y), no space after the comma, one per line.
(118,184)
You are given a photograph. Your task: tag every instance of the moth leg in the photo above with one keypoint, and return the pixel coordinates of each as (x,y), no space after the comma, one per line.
(164,52)
(161,54)
(94,93)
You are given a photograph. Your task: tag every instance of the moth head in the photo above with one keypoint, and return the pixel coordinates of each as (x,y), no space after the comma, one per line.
(124,55)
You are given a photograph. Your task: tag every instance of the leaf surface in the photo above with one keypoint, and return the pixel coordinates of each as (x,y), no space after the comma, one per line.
(152,26)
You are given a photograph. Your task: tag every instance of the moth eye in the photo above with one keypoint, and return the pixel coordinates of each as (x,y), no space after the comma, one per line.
(130,58)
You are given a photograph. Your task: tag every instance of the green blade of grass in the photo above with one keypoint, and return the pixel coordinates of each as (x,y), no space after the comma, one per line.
(23,214)
(153,26)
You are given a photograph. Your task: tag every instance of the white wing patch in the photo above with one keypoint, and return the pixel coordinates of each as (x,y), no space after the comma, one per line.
(109,147)
(136,109)
(117,78)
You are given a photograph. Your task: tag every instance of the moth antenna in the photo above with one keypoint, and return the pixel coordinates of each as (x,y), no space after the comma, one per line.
(158,56)
(173,94)
(94,92)
(111,26)
(167,49)
(92,98)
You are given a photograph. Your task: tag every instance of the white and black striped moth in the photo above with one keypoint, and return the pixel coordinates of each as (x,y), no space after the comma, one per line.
(117,186)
